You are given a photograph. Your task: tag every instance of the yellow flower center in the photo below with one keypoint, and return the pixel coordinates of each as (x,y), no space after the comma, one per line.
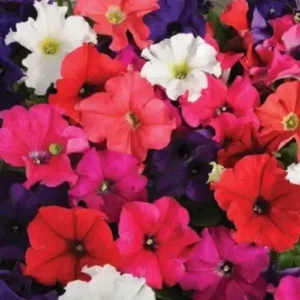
(115,15)
(180,71)
(133,120)
(290,122)
(55,149)
(104,186)
(50,46)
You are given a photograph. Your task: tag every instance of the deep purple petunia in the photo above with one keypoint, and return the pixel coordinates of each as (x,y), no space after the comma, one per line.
(182,167)
(17,212)
(220,268)
(175,16)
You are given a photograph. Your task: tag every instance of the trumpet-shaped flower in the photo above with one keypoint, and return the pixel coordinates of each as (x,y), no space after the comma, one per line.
(49,38)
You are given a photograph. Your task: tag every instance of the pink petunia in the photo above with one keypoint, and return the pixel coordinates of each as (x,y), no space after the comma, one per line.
(155,241)
(288,289)
(116,17)
(40,140)
(239,99)
(222,269)
(107,180)
(128,115)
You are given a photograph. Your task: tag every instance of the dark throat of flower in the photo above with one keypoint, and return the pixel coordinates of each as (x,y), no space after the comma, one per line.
(225,108)
(174,28)
(261,206)
(88,89)
(225,269)
(150,243)
(77,248)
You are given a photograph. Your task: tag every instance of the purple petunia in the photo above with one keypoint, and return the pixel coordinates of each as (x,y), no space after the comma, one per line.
(175,16)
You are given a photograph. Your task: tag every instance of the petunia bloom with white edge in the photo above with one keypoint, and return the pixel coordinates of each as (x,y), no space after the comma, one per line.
(293,173)
(181,64)
(108,284)
(50,38)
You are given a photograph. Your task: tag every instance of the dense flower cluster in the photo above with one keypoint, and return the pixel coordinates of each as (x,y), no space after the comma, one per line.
(149,149)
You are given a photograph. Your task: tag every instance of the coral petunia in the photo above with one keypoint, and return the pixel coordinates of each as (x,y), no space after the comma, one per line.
(219,268)
(128,115)
(107,180)
(84,73)
(40,140)
(115,18)
(63,241)
(261,203)
(279,116)
(154,240)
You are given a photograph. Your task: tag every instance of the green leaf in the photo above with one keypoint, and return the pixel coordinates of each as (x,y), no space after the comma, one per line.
(285,260)
(174,293)
(221,31)
(206,216)
(288,154)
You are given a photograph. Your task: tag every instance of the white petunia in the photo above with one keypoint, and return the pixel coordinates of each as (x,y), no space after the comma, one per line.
(293,173)
(50,38)
(107,284)
(181,64)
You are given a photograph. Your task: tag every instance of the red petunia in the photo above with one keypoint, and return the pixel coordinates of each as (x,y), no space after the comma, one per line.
(262,204)
(63,241)
(128,115)
(116,17)
(84,73)
(279,116)
(240,140)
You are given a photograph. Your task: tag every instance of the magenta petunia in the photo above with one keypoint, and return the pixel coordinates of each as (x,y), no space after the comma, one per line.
(155,241)
(220,268)
(288,289)
(40,140)
(107,180)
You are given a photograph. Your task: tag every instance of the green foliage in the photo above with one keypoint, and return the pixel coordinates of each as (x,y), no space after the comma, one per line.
(288,154)
(173,293)
(289,259)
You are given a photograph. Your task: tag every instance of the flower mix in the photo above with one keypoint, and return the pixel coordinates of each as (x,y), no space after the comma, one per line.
(149,150)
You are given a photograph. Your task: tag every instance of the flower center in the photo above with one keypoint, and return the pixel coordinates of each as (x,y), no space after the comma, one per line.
(290,122)
(77,248)
(88,90)
(181,71)
(261,206)
(150,243)
(39,157)
(133,120)
(50,46)
(55,149)
(174,28)
(195,168)
(223,109)
(225,268)
(297,17)
(104,186)
(183,152)
(115,15)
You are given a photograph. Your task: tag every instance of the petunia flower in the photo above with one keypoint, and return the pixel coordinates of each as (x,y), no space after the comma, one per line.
(18,211)
(116,18)
(240,99)
(183,167)
(40,140)
(154,240)
(222,269)
(109,284)
(63,241)
(279,116)
(107,180)
(130,117)
(288,289)
(181,64)
(50,38)
(261,203)
(177,16)
(84,73)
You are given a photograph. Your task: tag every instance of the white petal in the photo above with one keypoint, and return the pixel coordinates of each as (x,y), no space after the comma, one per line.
(77,290)
(175,88)
(293,173)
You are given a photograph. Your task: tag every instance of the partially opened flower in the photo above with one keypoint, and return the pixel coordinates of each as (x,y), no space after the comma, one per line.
(154,240)
(107,283)
(63,241)
(261,203)
(279,116)
(222,269)
(181,64)
(50,38)
(178,16)
(240,99)
(40,140)
(128,115)
(84,73)
(107,180)
(288,289)
(116,17)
